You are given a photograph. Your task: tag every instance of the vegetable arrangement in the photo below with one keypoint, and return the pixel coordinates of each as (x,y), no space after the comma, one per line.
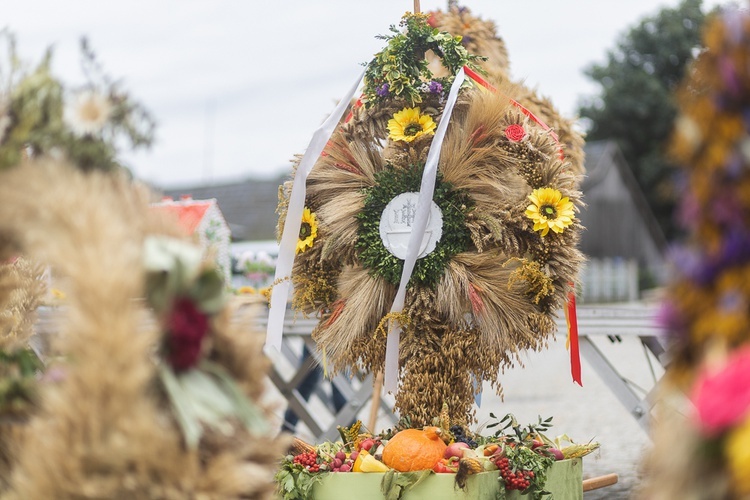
(521,454)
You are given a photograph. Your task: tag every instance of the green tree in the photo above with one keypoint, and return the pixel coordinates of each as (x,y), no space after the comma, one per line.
(635,106)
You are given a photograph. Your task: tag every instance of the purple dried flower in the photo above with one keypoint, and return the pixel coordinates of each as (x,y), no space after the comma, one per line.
(735,165)
(687,262)
(729,75)
(688,211)
(735,251)
(436,87)
(726,210)
(383,90)
(671,322)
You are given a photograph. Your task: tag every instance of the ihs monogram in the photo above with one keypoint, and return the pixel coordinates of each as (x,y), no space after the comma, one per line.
(405,214)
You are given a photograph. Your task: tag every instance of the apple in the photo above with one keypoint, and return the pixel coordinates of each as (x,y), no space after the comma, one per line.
(367,444)
(442,466)
(455,450)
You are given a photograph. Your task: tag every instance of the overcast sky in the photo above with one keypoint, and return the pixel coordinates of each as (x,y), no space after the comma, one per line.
(237,87)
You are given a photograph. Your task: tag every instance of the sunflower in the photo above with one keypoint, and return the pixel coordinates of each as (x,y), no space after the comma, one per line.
(550,210)
(308,231)
(409,124)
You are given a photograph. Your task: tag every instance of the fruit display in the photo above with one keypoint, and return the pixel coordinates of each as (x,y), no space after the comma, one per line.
(519,456)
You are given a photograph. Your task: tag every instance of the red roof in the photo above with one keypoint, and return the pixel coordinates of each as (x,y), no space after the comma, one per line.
(189,214)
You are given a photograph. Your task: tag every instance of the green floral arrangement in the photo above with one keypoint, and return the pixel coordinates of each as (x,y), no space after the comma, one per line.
(456,238)
(39,115)
(400,69)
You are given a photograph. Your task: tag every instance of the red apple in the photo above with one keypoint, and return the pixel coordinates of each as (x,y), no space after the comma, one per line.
(455,450)
(442,466)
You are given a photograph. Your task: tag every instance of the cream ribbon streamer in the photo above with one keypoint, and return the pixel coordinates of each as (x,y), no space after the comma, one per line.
(424,203)
(290,234)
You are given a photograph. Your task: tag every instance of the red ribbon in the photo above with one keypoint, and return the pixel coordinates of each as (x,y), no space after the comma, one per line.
(575,354)
(351,113)
(570,307)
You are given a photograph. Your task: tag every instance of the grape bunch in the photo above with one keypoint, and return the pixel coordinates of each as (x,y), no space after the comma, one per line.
(519,480)
(460,436)
(308,460)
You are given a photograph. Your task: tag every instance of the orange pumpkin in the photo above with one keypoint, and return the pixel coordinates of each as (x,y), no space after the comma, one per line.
(414,449)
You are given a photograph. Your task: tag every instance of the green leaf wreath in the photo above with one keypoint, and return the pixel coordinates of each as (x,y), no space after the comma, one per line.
(453,203)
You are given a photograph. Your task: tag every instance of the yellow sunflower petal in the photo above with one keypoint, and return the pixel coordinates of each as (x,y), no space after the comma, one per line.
(311,220)
(409,124)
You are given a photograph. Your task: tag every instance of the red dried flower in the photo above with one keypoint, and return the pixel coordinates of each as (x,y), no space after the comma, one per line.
(515,132)
(186,327)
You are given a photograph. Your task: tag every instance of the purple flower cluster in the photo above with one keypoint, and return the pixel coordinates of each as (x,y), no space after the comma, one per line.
(383,90)
(435,87)
(704,268)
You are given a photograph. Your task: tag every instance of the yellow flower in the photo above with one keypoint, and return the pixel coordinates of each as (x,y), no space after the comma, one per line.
(738,457)
(308,231)
(246,290)
(549,210)
(408,124)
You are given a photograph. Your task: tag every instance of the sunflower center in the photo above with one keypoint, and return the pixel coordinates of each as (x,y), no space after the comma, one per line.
(549,211)
(305,230)
(412,129)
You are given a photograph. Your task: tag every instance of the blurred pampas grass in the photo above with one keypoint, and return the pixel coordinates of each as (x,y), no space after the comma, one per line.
(102,429)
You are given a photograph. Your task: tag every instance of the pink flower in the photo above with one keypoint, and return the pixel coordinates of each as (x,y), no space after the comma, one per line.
(186,327)
(722,397)
(515,132)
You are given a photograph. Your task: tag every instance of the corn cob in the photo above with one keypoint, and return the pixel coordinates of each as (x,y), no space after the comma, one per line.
(298,447)
(579,450)
(467,467)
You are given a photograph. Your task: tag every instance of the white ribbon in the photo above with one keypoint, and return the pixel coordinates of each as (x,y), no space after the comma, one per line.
(424,203)
(290,234)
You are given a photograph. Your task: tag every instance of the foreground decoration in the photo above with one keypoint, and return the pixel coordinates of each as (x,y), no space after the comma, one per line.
(489,280)
(706,434)
(151,387)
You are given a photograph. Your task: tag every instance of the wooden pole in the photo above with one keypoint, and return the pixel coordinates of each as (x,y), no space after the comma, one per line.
(599,482)
(416,7)
(377,388)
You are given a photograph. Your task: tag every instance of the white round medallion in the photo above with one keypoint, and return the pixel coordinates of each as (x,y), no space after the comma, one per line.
(396,222)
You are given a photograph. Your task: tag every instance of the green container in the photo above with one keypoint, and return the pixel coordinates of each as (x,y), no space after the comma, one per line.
(564,481)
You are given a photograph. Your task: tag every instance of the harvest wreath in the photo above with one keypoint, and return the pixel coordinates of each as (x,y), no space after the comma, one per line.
(497,203)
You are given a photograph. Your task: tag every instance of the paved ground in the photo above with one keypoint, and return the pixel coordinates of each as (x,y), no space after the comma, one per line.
(591,412)
(544,387)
